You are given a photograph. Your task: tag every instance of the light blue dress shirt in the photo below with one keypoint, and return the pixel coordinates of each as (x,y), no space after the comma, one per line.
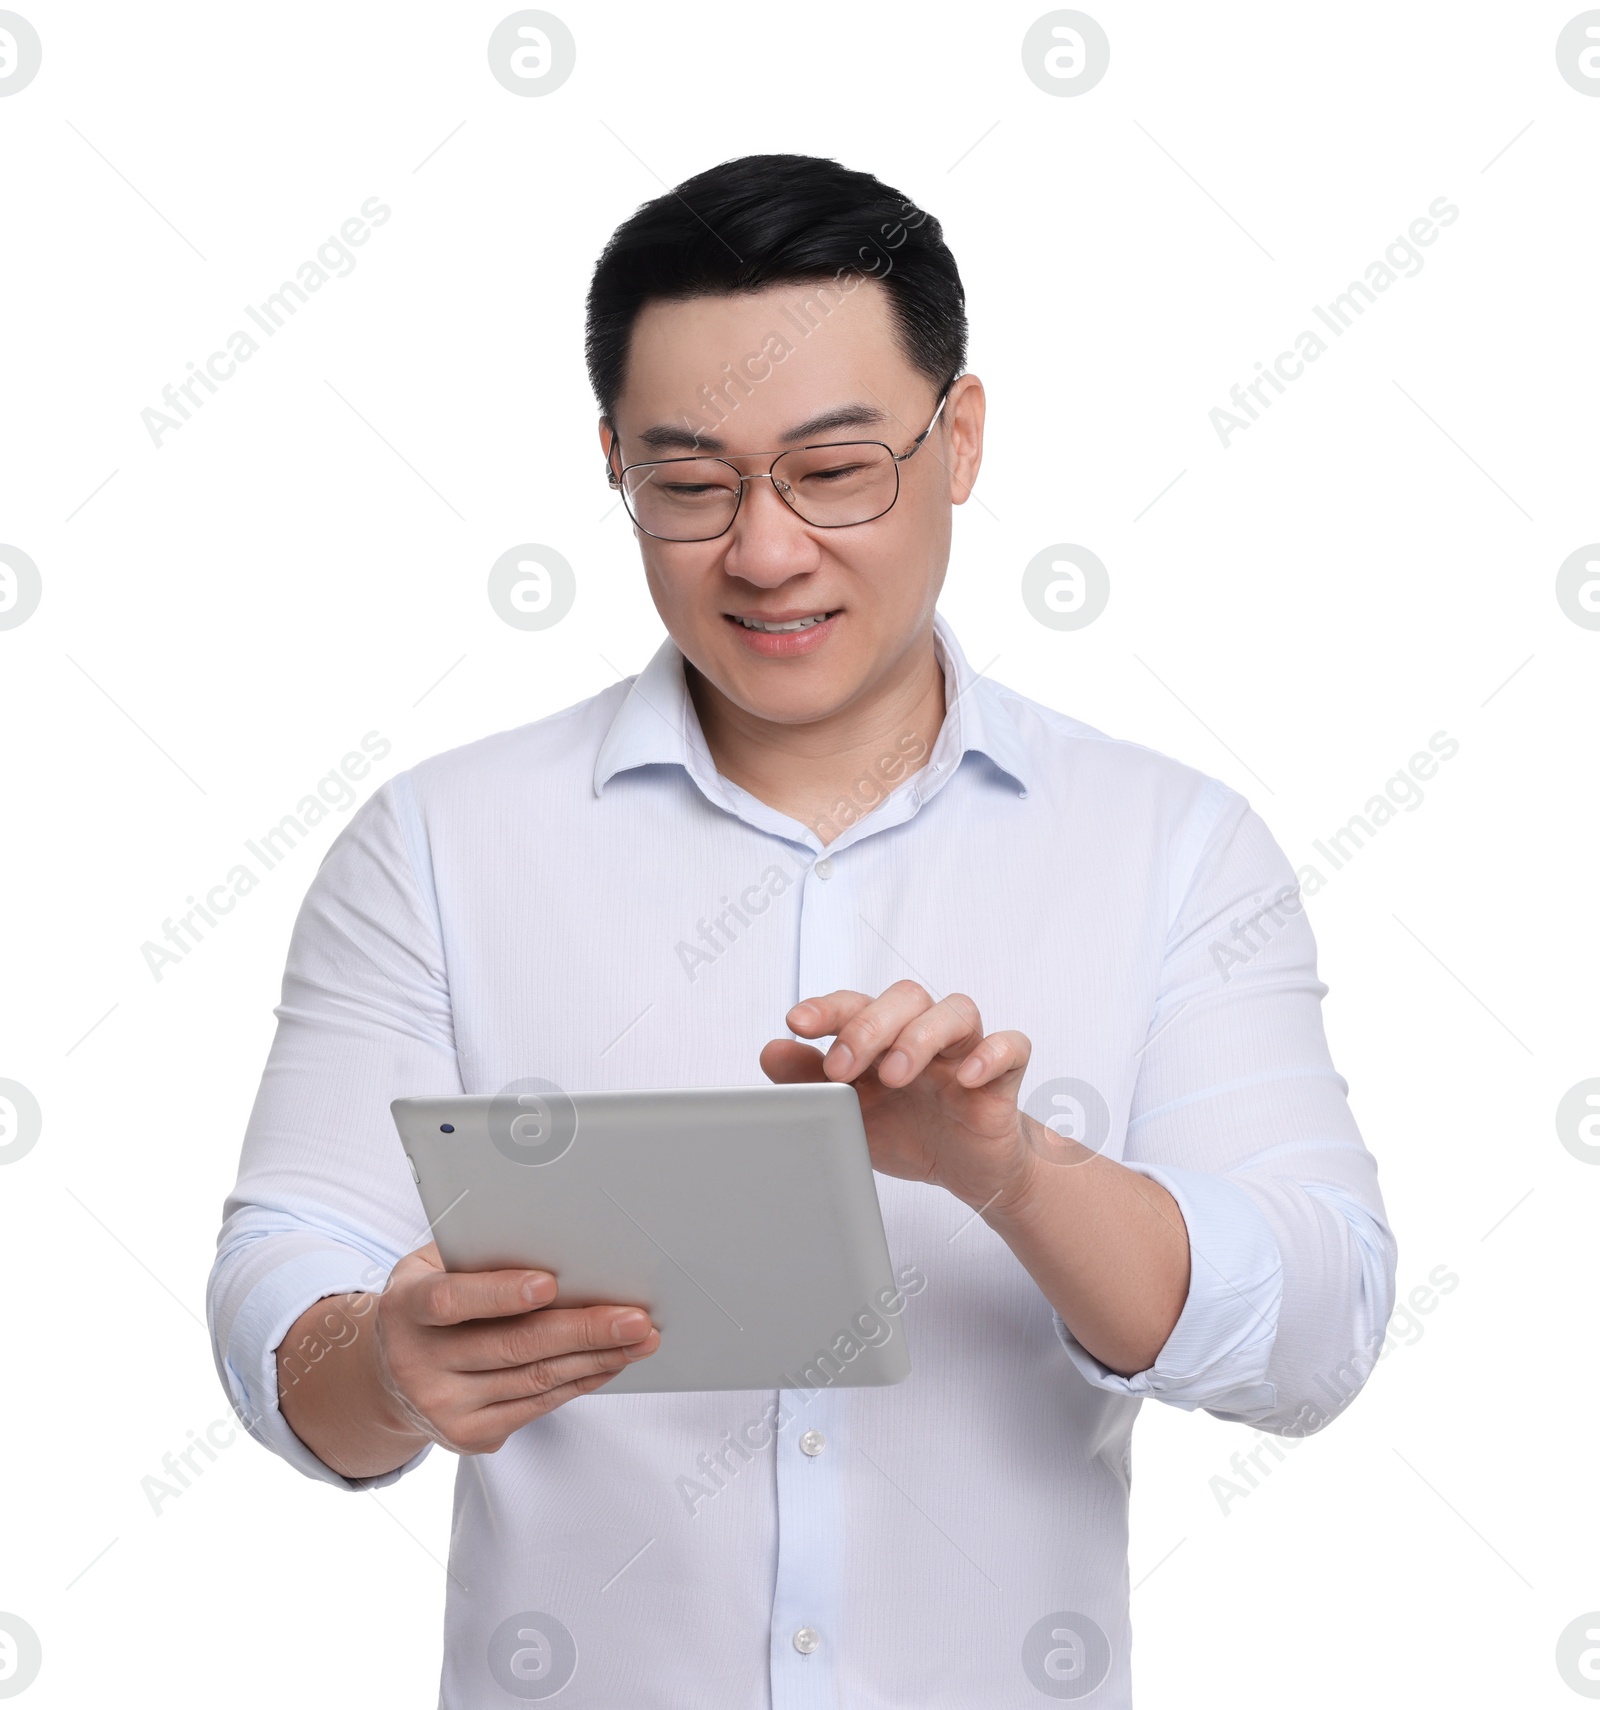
(585,899)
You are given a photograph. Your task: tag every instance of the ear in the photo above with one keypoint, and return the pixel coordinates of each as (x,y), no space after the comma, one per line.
(963,429)
(608,441)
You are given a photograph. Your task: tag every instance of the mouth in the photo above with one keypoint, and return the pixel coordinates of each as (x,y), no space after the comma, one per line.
(787,626)
(786,635)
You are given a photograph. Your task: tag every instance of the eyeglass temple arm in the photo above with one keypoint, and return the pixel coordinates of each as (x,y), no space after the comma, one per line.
(917,442)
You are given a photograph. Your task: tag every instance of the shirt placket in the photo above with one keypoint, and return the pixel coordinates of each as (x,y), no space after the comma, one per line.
(807,1597)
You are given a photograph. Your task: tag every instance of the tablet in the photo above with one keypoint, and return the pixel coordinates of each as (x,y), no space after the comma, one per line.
(745,1220)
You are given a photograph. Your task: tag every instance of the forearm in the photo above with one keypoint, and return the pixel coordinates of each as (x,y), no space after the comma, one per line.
(331,1391)
(1107,1247)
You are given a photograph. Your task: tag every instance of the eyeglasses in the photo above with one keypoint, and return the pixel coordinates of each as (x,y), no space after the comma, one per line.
(837,485)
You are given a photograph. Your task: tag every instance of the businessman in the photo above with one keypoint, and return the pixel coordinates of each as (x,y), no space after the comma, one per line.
(1071,979)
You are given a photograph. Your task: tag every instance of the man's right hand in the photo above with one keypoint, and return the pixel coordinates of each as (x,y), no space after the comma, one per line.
(460,1358)
(469,1357)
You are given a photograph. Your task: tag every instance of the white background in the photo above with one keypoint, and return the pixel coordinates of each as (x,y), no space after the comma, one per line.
(1368,564)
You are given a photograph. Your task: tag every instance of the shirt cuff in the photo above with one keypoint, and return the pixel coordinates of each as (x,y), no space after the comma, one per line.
(1216,1356)
(248,1364)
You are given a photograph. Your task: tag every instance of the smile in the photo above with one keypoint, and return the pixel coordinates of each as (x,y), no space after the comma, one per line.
(782,628)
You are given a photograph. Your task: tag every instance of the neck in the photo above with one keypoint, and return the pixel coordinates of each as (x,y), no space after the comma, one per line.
(829,772)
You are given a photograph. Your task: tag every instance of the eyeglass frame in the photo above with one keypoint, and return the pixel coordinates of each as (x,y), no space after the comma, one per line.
(614,476)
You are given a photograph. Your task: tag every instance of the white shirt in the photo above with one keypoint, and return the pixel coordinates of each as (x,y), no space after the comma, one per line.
(585,899)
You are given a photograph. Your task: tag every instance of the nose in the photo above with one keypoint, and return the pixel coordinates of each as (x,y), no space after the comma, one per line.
(768,544)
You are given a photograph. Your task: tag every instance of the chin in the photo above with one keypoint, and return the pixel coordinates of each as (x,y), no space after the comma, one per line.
(788,703)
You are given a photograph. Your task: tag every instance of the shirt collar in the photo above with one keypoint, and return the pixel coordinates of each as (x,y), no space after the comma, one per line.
(976,718)
(657,725)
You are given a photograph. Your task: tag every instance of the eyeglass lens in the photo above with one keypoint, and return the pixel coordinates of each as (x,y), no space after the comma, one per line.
(830,486)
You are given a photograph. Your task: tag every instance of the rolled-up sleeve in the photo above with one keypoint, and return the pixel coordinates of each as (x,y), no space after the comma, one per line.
(324,1203)
(1239,1113)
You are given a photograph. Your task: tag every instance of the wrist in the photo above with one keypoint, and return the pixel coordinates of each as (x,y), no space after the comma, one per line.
(335,1391)
(1013,1203)
(390,1410)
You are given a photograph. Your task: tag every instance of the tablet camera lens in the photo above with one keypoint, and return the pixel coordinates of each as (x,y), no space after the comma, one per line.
(447,1128)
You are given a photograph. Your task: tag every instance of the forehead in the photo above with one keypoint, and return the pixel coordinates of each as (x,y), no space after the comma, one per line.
(753,363)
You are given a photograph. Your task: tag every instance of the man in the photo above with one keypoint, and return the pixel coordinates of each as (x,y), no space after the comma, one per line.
(1070,978)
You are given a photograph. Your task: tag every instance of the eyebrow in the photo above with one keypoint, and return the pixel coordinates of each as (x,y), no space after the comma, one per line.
(666,437)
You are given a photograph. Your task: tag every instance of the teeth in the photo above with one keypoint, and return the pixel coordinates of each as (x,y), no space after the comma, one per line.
(782,628)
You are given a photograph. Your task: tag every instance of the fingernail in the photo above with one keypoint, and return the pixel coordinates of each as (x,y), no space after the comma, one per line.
(629,1326)
(897,1062)
(534,1286)
(842,1057)
(638,1351)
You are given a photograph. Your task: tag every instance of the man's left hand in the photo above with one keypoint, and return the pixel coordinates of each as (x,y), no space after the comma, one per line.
(938,1095)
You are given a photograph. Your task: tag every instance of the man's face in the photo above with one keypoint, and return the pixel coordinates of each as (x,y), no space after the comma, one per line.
(874,584)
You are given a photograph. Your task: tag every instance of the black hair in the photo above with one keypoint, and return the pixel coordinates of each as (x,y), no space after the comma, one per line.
(777,219)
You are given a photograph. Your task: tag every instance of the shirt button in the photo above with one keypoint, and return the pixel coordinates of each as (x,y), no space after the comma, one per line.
(806,1640)
(824,868)
(813,1443)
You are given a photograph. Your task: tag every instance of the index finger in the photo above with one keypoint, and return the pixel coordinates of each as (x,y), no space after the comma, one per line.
(457,1297)
(820,1017)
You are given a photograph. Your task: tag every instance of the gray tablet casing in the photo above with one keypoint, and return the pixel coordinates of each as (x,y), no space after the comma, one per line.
(745,1220)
